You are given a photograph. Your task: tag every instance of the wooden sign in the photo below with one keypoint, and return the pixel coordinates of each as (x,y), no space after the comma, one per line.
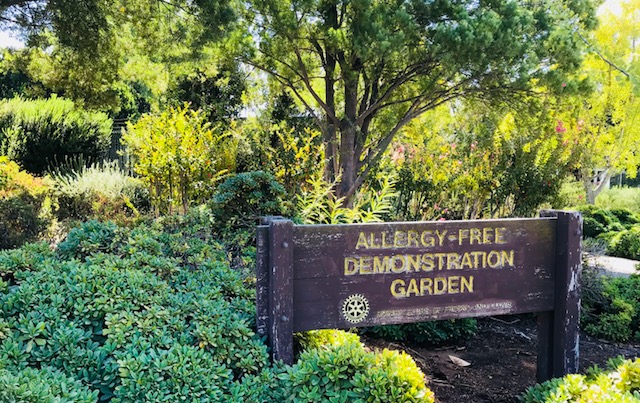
(343,276)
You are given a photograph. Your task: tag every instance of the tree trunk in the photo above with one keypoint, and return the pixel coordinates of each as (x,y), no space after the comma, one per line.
(593,189)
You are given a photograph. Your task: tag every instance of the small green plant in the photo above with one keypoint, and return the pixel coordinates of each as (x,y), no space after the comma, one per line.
(626,243)
(620,384)
(436,332)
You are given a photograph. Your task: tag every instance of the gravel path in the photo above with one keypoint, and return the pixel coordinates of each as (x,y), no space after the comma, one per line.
(613,266)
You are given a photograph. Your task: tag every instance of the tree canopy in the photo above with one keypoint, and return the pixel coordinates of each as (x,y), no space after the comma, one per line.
(365,68)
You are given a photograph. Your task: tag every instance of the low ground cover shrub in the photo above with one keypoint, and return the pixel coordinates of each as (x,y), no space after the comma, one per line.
(155,313)
(618,228)
(435,332)
(620,383)
(39,133)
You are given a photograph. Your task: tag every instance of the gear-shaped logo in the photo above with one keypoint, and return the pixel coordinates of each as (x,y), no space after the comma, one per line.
(355,308)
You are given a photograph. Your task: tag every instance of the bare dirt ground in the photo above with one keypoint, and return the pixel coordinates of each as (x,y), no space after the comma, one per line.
(502,358)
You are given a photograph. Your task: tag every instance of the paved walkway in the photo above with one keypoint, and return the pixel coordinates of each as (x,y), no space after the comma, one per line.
(613,266)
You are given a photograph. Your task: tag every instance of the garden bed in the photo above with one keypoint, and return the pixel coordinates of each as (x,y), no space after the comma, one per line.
(502,357)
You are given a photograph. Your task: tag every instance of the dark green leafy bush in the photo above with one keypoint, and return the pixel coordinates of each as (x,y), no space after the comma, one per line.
(626,244)
(436,332)
(42,385)
(620,384)
(611,307)
(38,134)
(155,313)
(242,199)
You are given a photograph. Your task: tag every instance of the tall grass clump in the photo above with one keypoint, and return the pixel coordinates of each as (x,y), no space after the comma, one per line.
(37,133)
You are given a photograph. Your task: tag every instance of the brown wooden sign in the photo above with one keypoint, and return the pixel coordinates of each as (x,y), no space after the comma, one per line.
(343,276)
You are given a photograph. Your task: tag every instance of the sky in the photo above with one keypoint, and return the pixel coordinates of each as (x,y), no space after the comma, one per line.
(6,40)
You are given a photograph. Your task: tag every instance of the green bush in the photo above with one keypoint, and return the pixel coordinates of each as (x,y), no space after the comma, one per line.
(620,197)
(242,199)
(626,244)
(37,134)
(620,384)
(347,372)
(43,385)
(435,332)
(611,307)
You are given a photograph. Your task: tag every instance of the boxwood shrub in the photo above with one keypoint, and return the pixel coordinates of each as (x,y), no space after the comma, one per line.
(155,313)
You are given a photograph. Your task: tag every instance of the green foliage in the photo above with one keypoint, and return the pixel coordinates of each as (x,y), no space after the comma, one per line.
(179,156)
(37,134)
(21,205)
(347,373)
(611,307)
(436,332)
(43,385)
(620,197)
(626,244)
(319,205)
(140,314)
(218,96)
(620,384)
(101,191)
(242,199)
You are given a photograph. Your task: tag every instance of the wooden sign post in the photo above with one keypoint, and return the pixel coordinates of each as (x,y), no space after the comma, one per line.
(344,276)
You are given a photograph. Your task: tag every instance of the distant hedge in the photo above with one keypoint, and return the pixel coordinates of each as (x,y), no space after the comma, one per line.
(37,134)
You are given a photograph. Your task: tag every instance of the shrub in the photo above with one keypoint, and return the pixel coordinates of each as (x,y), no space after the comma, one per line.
(619,384)
(134,315)
(611,307)
(626,244)
(21,201)
(620,197)
(347,372)
(101,191)
(179,156)
(43,385)
(37,134)
(242,199)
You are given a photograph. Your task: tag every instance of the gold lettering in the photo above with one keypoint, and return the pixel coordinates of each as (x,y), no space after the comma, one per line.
(425,286)
(372,241)
(453,284)
(466,261)
(475,236)
(394,263)
(500,235)
(486,235)
(441,257)
(385,245)
(412,288)
(462,234)
(365,265)
(350,266)
(506,257)
(440,285)
(412,238)
(397,238)
(427,262)
(453,261)
(413,263)
(496,256)
(362,241)
(427,239)
(381,266)
(441,236)
(397,288)
(468,284)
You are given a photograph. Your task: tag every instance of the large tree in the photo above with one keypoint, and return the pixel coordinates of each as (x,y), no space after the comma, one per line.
(365,68)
